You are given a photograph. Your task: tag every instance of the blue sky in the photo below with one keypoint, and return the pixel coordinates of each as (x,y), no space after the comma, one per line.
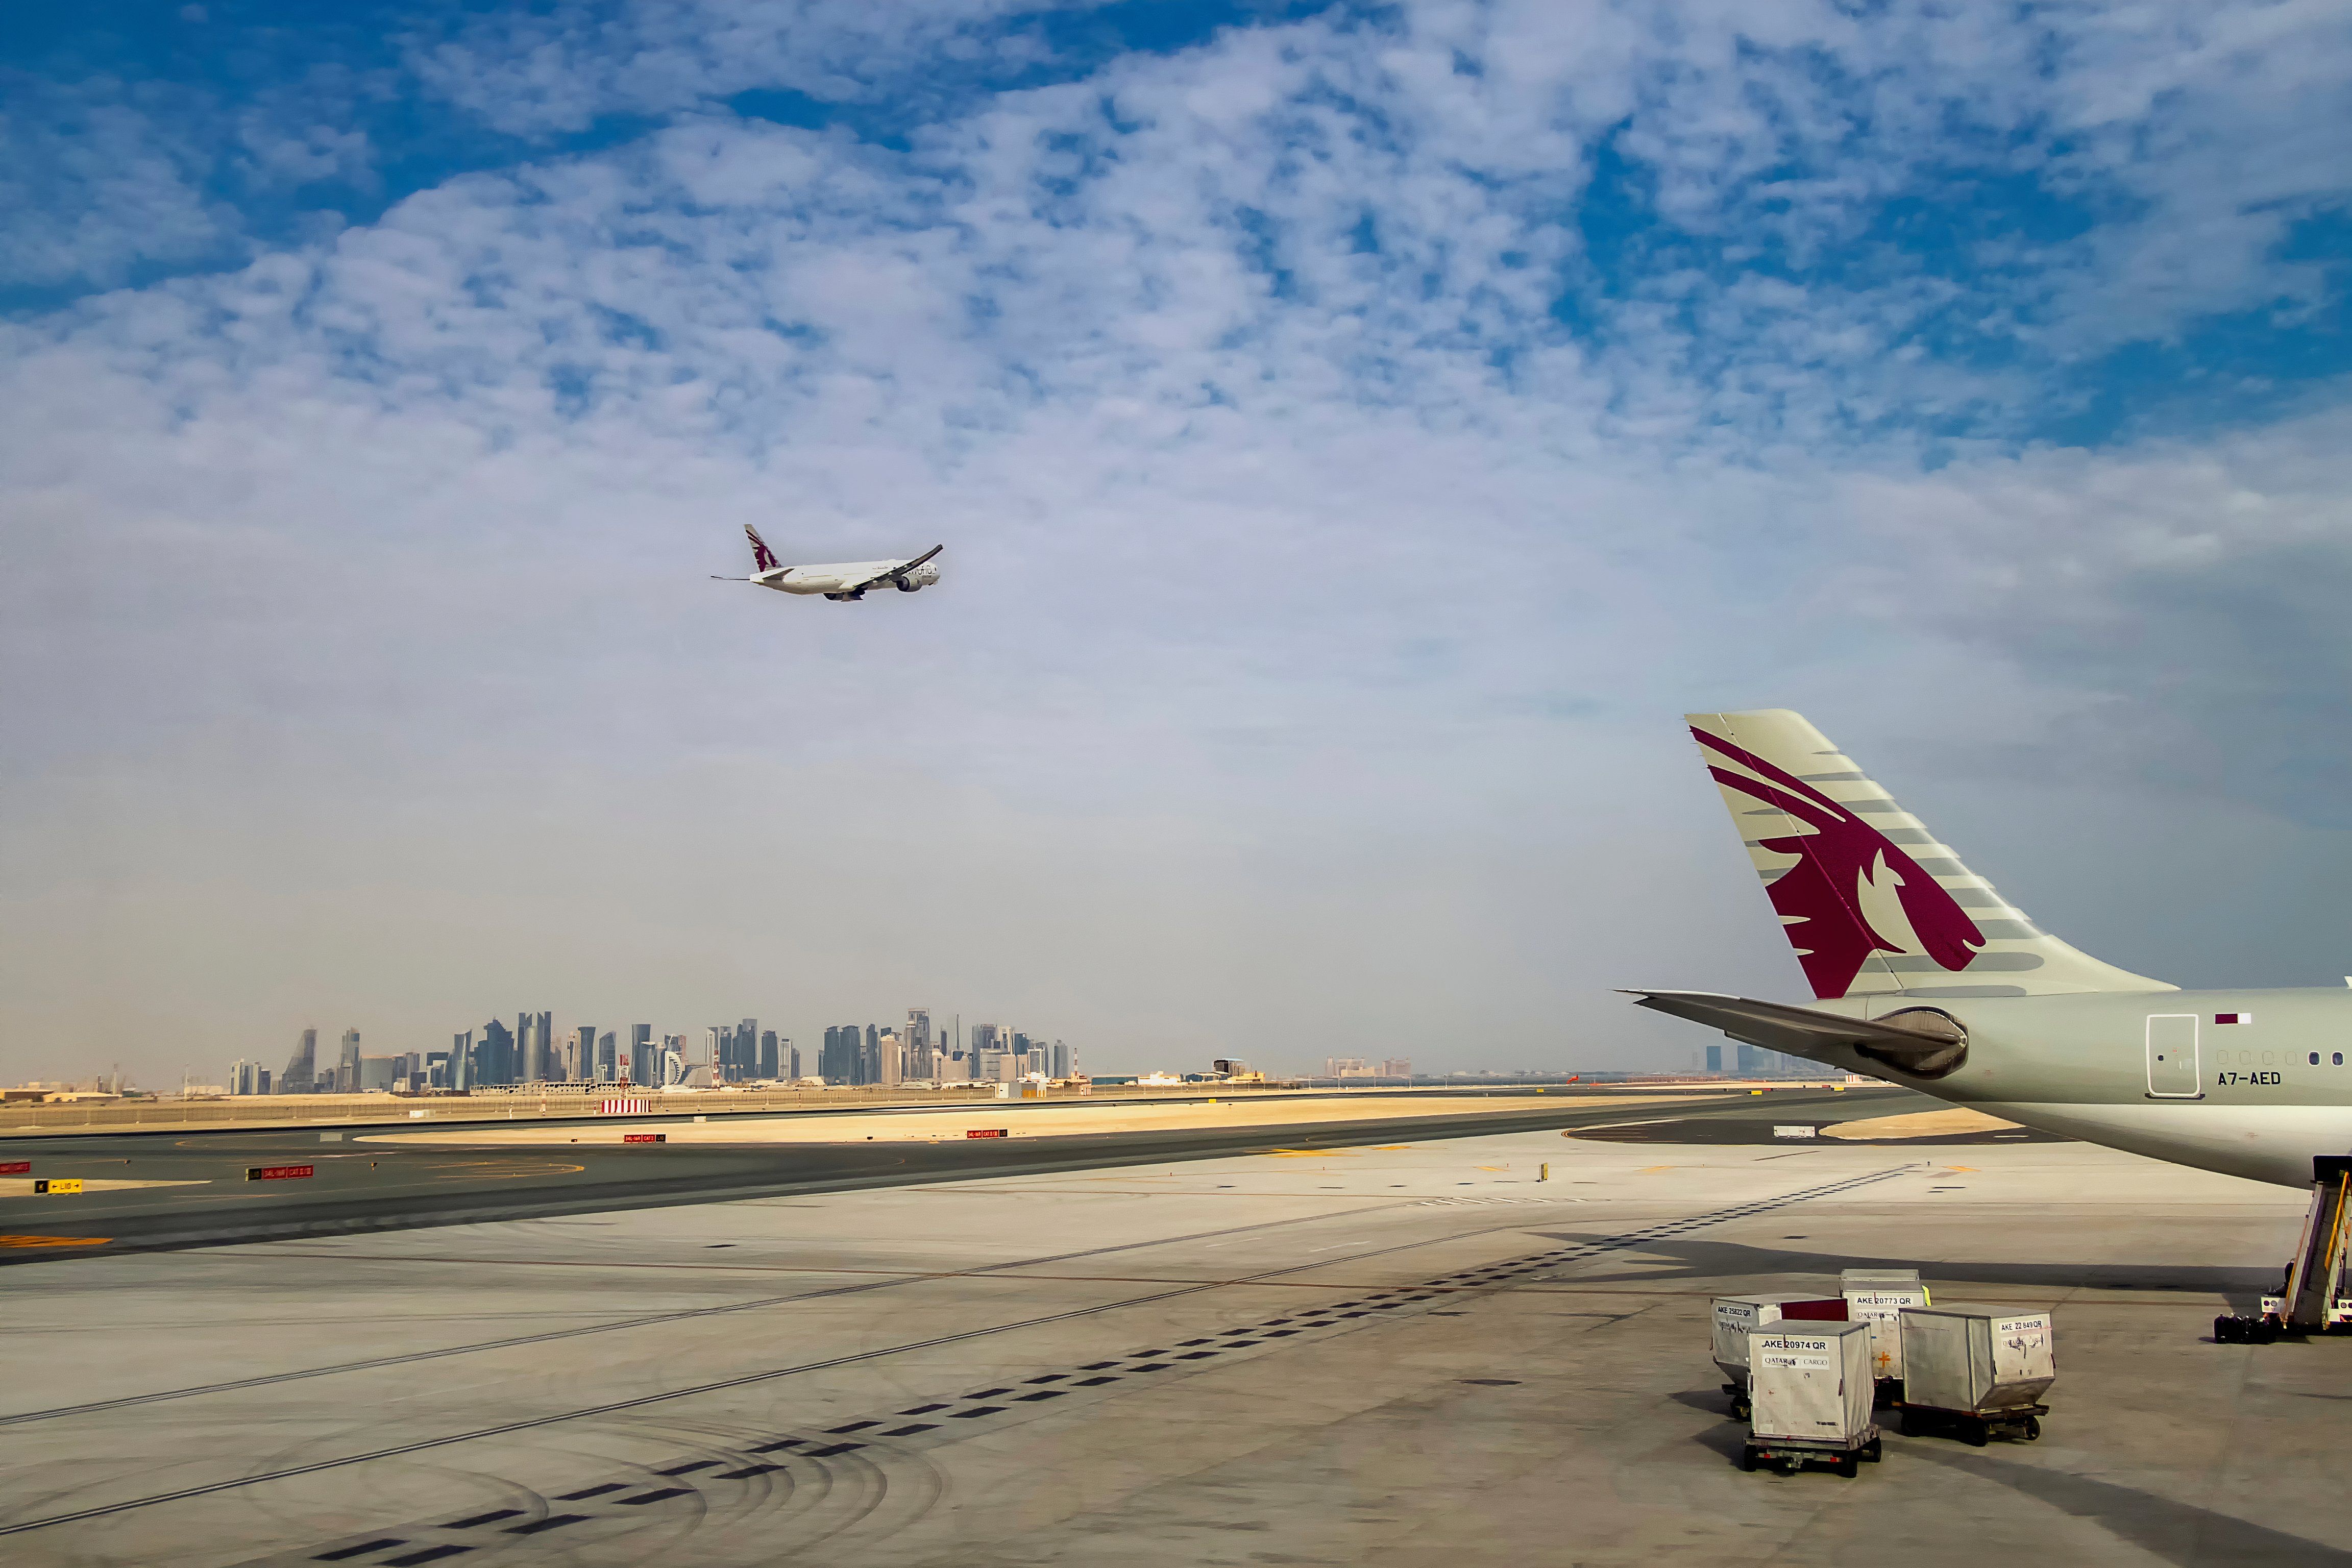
(1356,432)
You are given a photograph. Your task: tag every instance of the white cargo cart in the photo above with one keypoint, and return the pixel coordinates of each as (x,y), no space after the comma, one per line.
(1975,1373)
(1737,1317)
(1810,1389)
(1879,1297)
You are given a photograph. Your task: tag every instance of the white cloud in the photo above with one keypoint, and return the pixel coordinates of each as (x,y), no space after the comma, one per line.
(92,185)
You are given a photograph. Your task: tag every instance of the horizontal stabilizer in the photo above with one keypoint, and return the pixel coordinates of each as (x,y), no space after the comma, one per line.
(1804,1032)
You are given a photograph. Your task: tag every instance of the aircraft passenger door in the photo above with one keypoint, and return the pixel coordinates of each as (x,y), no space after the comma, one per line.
(2172,1056)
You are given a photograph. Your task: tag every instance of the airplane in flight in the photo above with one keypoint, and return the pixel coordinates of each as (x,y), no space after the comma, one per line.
(843,580)
(1924,976)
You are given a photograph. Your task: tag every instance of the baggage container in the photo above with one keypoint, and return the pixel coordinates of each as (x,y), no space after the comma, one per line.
(1736,1317)
(1810,1388)
(1878,1297)
(1975,1372)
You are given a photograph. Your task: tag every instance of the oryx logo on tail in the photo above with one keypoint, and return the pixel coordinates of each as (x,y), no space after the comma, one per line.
(1835,899)
(762,558)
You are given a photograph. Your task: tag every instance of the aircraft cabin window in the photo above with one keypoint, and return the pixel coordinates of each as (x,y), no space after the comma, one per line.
(2314,1059)
(2339,1059)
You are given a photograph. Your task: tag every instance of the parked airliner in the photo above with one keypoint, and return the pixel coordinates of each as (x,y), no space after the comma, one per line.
(844,580)
(1925,976)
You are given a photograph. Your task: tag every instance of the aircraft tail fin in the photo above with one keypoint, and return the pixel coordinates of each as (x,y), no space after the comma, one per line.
(762,558)
(1871,902)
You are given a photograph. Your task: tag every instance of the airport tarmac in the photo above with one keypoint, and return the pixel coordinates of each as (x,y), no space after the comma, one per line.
(1409,1352)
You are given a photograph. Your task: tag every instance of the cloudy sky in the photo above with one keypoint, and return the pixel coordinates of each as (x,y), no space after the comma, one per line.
(1356,435)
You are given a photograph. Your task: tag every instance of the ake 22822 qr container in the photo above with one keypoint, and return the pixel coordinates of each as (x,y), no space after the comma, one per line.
(1975,1371)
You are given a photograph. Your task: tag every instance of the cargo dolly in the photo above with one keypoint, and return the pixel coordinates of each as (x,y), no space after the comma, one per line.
(1790,1455)
(1974,1427)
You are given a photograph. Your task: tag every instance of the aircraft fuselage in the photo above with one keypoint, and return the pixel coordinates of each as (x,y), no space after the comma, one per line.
(2158,1073)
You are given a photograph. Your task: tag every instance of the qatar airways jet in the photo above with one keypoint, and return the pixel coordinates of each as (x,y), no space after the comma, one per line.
(844,580)
(1925,976)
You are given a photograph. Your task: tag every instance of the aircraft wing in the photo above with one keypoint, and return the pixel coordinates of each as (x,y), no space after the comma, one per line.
(903,567)
(1800,1031)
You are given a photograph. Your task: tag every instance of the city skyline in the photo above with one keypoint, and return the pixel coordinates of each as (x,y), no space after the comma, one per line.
(493,1055)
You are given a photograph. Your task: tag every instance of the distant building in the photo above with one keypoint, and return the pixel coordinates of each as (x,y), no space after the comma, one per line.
(837,1062)
(1346,1067)
(608,1056)
(301,1074)
(1397,1067)
(347,1069)
(375,1074)
(769,1064)
(495,1059)
(1065,1062)
(248,1078)
(1714,1058)
(641,1053)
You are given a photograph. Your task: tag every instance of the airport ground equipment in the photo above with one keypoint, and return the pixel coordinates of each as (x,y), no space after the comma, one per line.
(2311,1300)
(1737,1317)
(1810,1386)
(1878,1297)
(1973,1372)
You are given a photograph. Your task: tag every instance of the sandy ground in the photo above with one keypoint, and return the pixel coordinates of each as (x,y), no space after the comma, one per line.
(1919,1124)
(1034,1119)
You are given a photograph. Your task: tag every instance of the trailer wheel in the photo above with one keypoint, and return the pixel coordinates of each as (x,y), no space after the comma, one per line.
(1748,1457)
(1979,1434)
(2033,1428)
(1870,1450)
(1848,1466)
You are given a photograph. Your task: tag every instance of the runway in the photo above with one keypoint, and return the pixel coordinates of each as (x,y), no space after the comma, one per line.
(1409,1353)
(180,1189)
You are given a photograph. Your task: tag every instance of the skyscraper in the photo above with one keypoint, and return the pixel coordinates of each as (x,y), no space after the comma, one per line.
(302,1069)
(346,1070)
(869,1060)
(917,1036)
(608,1057)
(495,1059)
(768,1060)
(641,1053)
(1066,1060)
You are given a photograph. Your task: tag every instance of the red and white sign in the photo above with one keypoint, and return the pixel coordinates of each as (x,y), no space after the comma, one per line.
(644,1137)
(16,1168)
(627,1107)
(278,1172)
(985,1132)
(2233,1017)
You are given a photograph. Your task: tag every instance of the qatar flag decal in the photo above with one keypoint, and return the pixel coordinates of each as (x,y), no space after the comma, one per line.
(2233,1017)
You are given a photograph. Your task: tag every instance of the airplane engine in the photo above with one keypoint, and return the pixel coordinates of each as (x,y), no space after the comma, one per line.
(920,577)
